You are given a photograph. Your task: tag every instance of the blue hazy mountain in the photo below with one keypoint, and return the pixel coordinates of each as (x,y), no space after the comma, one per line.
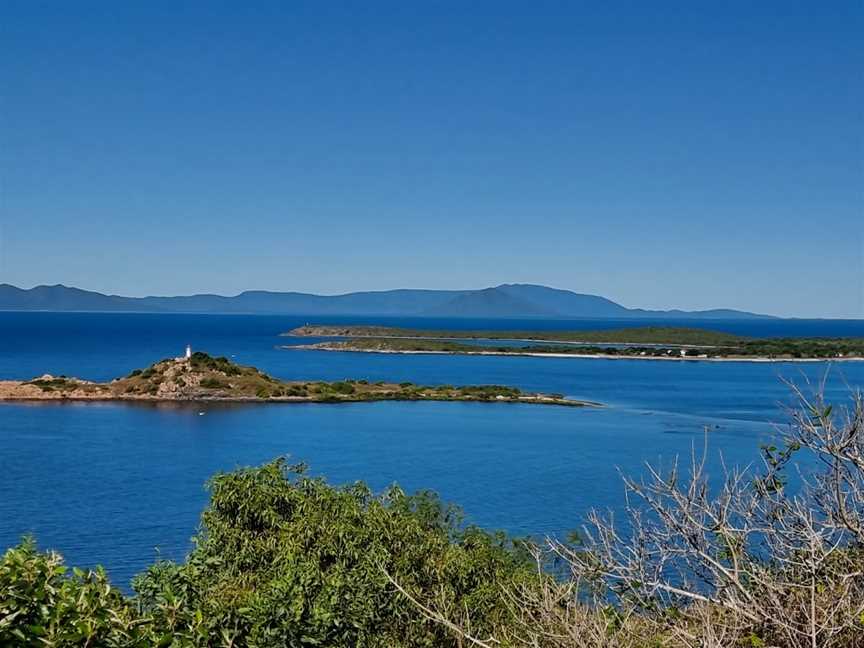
(490,302)
(564,301)
(506,300)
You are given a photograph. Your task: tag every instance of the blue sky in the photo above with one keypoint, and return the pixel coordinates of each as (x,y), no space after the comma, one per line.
(668,154)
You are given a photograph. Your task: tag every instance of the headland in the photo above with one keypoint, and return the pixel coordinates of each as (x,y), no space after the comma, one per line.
(201,377)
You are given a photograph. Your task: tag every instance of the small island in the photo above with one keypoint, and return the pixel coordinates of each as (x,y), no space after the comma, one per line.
(647,343)
(201,377)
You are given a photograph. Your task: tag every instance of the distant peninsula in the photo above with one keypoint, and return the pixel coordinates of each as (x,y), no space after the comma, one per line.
(504,301)
(648,342)
(200,377)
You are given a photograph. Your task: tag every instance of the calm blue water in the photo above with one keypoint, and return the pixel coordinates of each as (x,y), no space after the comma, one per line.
(115,484)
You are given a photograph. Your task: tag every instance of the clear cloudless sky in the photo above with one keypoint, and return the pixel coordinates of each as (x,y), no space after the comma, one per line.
(663,154)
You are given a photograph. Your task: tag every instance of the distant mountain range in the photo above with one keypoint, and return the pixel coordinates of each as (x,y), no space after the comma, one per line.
(506,300)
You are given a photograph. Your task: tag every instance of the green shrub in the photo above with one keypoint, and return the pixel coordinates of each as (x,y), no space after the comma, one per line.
(201,362)
(490,391)
(343,387)
(41,605)
(213,383)
(61,383)
(289,560)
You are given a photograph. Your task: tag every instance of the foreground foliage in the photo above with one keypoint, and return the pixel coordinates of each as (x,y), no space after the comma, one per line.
(42,605)
(283,559)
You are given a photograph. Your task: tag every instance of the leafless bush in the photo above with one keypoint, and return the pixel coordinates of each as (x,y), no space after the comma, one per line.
(748,559)
(743,559)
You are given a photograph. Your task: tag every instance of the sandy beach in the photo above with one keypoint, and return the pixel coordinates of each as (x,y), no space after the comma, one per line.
(578,356)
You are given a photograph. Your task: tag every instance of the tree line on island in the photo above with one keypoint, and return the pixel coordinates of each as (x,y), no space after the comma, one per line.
(285,559)
(647,341)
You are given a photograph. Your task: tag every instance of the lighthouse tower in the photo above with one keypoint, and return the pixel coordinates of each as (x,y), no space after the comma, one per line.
(188,351)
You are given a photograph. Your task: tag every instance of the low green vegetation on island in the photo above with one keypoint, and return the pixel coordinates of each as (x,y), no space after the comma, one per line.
(204,377)
(643,342)
(285,559)
(62,384)
(635,335)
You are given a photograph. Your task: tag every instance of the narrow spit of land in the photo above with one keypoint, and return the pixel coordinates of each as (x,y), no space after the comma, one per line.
(205,378)
(650,342)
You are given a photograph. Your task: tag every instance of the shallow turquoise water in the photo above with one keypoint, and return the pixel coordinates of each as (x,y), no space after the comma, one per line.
(114,484)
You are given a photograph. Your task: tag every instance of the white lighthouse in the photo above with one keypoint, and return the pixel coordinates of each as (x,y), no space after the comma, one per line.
(188,351)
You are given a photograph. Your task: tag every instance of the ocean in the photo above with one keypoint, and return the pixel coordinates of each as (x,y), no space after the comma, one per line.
(122,485)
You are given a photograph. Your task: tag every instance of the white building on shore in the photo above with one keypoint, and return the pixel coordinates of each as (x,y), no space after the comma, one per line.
(187,355)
